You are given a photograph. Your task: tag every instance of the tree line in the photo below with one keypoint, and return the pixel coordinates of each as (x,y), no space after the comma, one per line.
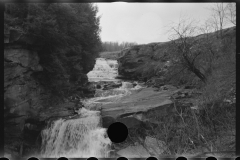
(116,46)
(67,36)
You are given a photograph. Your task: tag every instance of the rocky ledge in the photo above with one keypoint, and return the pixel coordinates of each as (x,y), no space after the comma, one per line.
(29,101)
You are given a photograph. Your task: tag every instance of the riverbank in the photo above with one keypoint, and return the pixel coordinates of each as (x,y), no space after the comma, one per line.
(179,127)
(165,115)
(203,122)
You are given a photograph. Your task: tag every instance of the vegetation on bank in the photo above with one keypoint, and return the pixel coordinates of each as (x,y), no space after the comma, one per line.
(112,50)
(202,58)
(110,55)
(66,40)
(204,120)
(66,37)
(116,46)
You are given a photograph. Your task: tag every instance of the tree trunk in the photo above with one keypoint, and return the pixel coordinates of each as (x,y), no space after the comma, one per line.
(192,68)
(199,74)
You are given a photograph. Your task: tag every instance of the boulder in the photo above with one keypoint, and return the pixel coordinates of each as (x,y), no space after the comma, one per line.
(111,85)
(130,122)
(98,86)
(157,82)
(107,121)
(57,111)
(168,87)
(154,146)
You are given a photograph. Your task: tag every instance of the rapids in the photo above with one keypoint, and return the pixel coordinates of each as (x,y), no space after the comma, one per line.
(83,136)
(104,70)
(80,137)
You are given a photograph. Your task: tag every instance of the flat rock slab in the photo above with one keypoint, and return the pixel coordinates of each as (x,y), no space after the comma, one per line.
(139,101)
(57,111)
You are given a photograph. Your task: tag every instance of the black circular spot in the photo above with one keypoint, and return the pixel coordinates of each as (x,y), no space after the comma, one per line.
(122,158)
(181,158)
(4,158)
(62,158)
(151,158)
(32,158)
(117,132)
(211,157)
(92,158)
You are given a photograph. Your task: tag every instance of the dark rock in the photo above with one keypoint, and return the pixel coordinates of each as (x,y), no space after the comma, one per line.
(23,57)
(105,87)
(130,122)
(98,86)
(134,84)
(138,61)
(111,85)
(148,125)
(33,90)
(189,87)
(107,121)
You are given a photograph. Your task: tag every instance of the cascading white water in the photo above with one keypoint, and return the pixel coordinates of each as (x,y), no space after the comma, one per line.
(111,95)
(81,137)
(103,70)
(126,85)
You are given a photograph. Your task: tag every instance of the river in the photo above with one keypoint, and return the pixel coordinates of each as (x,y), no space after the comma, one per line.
(83,136)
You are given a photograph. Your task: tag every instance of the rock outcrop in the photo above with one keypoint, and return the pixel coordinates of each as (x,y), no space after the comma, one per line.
(29,100)
(143,100)
(161,61)
(24,97)
(142,61)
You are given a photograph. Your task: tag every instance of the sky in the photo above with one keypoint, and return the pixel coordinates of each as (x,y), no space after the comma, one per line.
(145,22)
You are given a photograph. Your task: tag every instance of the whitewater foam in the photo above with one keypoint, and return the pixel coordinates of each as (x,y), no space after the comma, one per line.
(73,138)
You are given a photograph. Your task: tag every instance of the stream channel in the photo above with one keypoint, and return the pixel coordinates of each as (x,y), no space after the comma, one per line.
(84,136)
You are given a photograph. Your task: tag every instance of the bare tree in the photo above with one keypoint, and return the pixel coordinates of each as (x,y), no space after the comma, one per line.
(207,28)
(231,12)
(182,35)
(219,15)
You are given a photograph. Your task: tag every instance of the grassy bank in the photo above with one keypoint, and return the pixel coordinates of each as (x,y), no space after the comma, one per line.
(205,129)
(203,122)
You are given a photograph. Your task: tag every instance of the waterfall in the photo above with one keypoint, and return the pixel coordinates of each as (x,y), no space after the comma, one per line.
(81,137)
(103,70)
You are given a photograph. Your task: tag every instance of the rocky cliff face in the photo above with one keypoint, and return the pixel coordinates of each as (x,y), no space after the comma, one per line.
(142,61)
(151,61)
(29,102)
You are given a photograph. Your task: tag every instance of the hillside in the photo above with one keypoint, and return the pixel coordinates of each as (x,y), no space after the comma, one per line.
(204,120)
(162,60)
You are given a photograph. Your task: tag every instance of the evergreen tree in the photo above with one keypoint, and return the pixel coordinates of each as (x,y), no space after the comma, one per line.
(67,36)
